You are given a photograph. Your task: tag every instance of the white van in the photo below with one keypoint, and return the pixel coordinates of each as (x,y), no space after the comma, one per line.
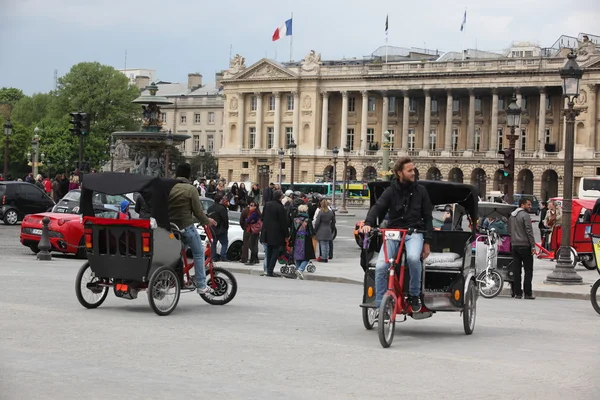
(589,187)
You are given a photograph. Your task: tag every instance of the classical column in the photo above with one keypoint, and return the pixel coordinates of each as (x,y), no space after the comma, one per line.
(296,123)
(240,128)
(493,136)
(384,116)
(364,120)
(277,122)
(259,121)
(324,120)
(448,133)
(542,121)
(405,117)
(592,118)
(344,128)
(471,122)
(427,121)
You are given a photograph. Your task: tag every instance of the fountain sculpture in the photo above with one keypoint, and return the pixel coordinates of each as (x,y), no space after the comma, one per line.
(146,147)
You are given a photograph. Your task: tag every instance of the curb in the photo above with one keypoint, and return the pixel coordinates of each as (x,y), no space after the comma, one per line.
(337,279)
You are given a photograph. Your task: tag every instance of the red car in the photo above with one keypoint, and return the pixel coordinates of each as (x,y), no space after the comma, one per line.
(66,231)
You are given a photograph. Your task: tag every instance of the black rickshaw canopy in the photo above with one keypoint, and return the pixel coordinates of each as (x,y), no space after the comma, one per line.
(154,190)
(440,192)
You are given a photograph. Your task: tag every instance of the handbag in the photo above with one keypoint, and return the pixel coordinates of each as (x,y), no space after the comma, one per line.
(256,227)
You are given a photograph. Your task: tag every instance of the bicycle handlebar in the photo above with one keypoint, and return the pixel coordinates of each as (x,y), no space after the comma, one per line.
(409,231)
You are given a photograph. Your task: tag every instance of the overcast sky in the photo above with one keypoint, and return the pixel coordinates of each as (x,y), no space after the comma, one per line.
(177,37)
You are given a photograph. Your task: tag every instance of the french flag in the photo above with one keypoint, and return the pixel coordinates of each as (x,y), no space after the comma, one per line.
(283,30)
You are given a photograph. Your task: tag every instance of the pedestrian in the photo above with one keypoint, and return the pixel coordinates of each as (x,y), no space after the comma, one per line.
(268,193)
(251,224)
(218,212)
(553,223)
(56,193)
(255,194)
(523,249)
(541,226)
(124,210)
(142,207)
(324,223)
(328,256)
(302,234)
(274,231)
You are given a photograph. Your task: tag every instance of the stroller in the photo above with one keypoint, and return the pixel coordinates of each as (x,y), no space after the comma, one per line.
(286,258)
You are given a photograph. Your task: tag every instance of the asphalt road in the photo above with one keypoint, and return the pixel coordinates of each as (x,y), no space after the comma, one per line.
(281,339)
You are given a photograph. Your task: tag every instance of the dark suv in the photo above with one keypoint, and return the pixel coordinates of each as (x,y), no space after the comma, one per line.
(18,199)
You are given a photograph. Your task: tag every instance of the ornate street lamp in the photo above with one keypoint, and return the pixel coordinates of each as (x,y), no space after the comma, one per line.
(513,121)
(35,142)
(335,152)
(7,132)
(281,154)
(346,150)
(292,147)
(67,168)
(202,154)
(564,271)
(169,143)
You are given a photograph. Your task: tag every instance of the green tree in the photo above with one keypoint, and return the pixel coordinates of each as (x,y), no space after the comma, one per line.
(10,95)
(206,163)
(31,110)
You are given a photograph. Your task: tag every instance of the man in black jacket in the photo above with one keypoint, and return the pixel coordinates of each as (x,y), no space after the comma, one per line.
(275,230)
(408,206)
(219,213)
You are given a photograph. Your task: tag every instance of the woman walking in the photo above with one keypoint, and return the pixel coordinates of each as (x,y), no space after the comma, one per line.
(325,221)
(302,233)
(250,221)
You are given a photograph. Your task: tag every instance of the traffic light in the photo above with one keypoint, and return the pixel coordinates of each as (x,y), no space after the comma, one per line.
(85,124)
(76,122)
(508,162)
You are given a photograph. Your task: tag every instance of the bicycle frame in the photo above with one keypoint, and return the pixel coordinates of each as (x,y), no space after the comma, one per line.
(396,283)
(208,263)
(542,253)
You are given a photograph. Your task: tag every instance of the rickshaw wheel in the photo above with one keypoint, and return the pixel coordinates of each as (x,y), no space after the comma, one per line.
(164,291)
(97,296)
(385,326)
(484,289)
(470,308)
(368,315)
(594,296)
(590,264)
(226,287)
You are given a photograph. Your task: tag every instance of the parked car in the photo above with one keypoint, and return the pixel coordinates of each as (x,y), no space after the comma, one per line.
(69,204)
(535,204)
(235,236)
(65,231)
(17,199)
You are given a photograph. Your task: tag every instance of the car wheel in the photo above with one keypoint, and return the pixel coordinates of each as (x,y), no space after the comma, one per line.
(234,252)
(11,217)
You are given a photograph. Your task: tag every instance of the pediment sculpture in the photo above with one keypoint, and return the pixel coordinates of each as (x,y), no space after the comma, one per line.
(586,49)
(236,64)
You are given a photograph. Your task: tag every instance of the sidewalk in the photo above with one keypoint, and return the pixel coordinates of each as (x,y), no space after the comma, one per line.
(348,270)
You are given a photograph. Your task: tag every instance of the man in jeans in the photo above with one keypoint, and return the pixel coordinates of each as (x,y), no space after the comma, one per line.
(408,206)
(523,248)
(183,202)
(219,212)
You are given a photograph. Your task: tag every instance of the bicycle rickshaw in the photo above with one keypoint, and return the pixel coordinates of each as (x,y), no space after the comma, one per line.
(448,282)
(133,255)
(594,294)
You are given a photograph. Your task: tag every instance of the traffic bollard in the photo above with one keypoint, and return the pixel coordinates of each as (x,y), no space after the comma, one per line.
(44,245)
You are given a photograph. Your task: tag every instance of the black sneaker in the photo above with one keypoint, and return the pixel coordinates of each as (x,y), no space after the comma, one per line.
(415,302)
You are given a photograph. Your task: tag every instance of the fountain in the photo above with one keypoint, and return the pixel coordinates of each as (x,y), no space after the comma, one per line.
(147,146)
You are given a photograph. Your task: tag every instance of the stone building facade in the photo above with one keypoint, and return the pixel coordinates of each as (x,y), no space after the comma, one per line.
(447,111)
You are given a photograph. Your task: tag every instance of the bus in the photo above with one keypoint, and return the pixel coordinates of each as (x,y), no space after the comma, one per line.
(353,190)
(589,187)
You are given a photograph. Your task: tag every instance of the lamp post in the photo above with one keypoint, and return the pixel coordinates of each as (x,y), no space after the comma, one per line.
(35,142)
(112,156)
(202,154)
(67,168)
(386,155)
(280,153)
(564,271)
(7,132)
(169,142)
(292,147)
(335,152)
(513,121)
(343,210)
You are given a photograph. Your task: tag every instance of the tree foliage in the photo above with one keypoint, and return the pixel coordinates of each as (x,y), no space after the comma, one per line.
(100,90)
(207,164)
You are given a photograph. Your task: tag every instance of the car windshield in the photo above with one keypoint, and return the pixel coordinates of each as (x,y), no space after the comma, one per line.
(72,196)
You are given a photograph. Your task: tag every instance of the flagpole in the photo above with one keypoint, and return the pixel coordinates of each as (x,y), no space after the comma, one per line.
(386,39)
(464,32)
(291,37)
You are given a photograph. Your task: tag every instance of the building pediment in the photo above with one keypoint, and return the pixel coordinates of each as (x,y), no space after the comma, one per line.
(593,62)
(265,69)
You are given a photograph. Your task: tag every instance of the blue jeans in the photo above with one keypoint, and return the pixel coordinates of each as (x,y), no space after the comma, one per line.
(301,265)
(224,240)
(324,249)
(414,247)
(192,239)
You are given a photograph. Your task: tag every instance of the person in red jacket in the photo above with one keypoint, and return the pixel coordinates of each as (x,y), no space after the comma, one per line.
(124,213)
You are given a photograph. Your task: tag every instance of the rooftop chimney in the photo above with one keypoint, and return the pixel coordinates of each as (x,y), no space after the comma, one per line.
(194,81)
(142,81)
(218,78)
